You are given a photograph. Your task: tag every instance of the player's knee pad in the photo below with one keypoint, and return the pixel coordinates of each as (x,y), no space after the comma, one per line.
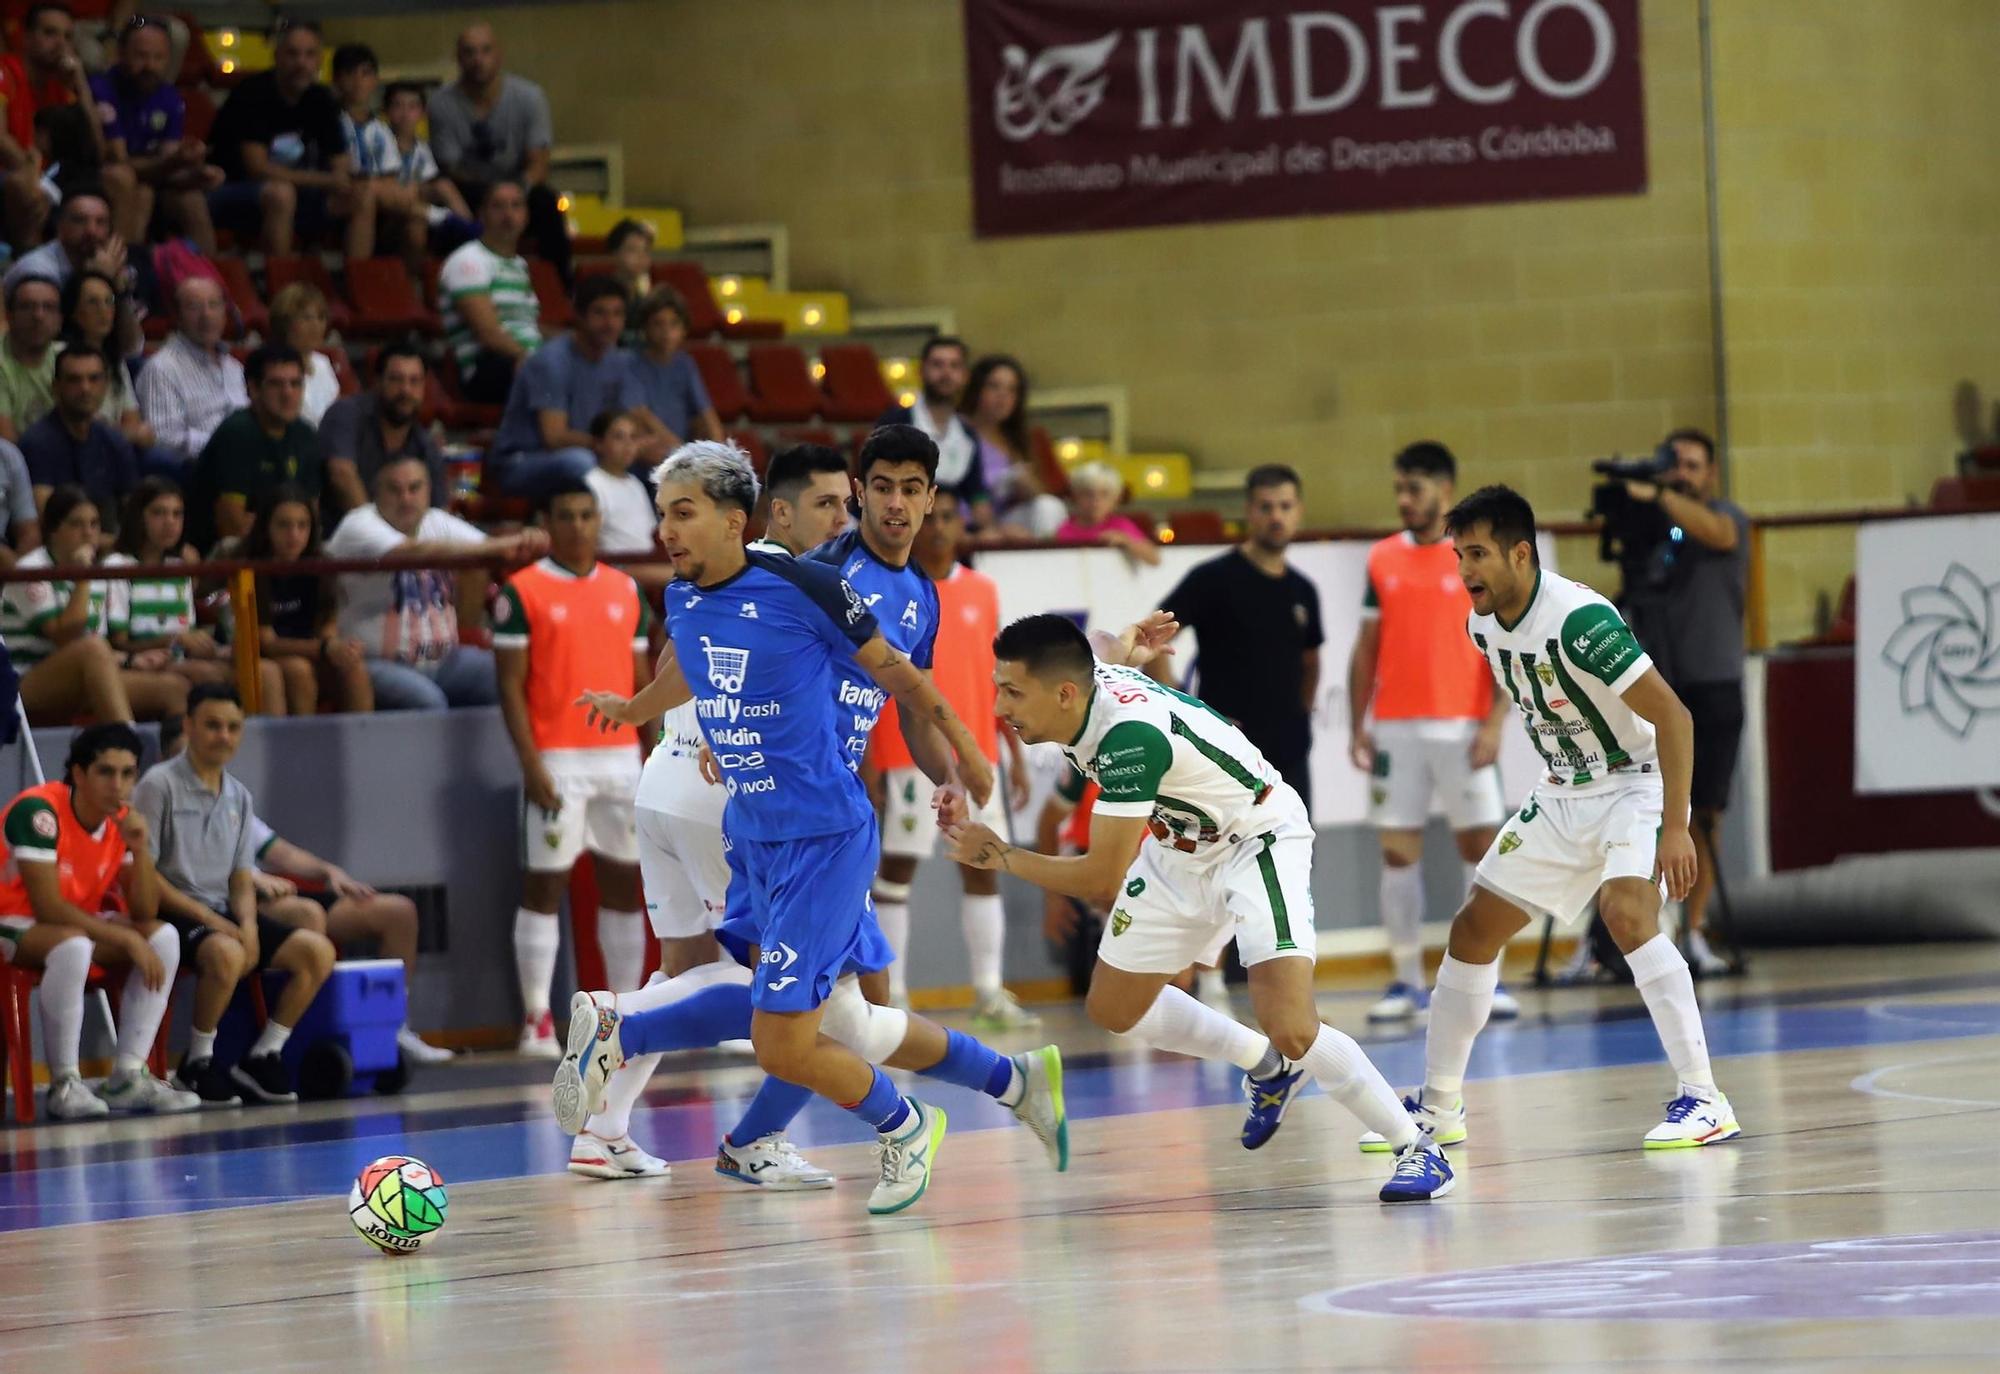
(870,1031)
(891,892)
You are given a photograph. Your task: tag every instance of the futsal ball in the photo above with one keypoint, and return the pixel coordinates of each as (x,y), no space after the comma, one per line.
(397,1204)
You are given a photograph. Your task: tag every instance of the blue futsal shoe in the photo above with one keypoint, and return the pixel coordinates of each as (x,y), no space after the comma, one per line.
(1268,1099)
(1422,1173)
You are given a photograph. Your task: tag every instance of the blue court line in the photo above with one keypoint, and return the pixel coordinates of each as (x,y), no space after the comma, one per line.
(287,1162)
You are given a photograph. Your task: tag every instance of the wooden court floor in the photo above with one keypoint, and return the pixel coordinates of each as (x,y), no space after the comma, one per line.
(1855,1225)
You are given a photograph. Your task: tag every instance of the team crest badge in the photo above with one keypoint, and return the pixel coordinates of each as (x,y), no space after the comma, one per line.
(1547,673)
(45,824)
(1509,842)
(1121,921)
(1135,887)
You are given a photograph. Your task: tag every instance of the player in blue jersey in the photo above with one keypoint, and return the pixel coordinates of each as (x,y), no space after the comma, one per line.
(765,641)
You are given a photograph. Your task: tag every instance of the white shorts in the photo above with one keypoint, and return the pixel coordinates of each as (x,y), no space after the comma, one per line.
(596,815)
(684,871)
(909,826)
(1422,766)
(1553,855)
(1178,909)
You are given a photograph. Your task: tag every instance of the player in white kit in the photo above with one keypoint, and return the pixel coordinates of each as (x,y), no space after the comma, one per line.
(1608,820)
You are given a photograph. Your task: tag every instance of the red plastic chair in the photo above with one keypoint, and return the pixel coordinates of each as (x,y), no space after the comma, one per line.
(808,434)
(242,292)
(1048,468)
(704,316)
(15,986)
(1198,526)
(721,380)
(310,268)
(385,301)
(855,391)
(781,385)
(760,456)
(464,414)
(557,312)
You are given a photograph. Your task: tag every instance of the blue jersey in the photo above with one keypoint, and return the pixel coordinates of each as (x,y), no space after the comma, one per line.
(904,602)
(763,652)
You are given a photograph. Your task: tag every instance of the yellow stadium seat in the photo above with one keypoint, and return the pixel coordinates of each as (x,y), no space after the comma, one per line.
(591,217)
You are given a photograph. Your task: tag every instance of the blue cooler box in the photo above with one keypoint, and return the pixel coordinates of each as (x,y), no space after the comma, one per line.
(359,1010)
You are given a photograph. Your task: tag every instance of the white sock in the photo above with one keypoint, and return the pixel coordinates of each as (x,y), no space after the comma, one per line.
(64,972)
(272,1041)
(985,923)
(1211,985)
(1459,1006)
(1177,1022)
(141,1007)
(613,1117)
(1662,977)
(1350,1078)
(201,1044)
(621,935)
(894,918)
(1403,921)
(536,942)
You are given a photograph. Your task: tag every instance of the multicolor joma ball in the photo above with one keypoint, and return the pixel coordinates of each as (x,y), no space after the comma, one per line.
(397,1204)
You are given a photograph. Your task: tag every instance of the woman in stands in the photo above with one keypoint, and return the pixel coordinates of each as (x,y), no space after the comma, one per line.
(58,632)
(154,624)
(90,316)
(295,611)
(995,404)
(299,318)
(1095,490)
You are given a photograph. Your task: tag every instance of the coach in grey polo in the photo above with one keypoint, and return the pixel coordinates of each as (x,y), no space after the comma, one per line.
(201,832)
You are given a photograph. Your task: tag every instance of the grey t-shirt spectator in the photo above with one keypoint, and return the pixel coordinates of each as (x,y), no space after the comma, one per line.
(199,837)
(483,151)
(673,391)
(352,429)
(557,377)
(1703,624)
(17,491)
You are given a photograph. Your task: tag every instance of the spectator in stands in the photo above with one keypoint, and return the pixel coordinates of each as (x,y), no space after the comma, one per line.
(44,75)
(490,127)
(544,433)
(66,844)
(942,373)
(72,446)
(358,434)
(154,620)
(19,522)
(630,244)
(205,846)
(372,152)
(193,382)
(807,488)
(492,319)
(255,449)
(90,317)
(1693,630)
(995,404)
(69,142)
(28,356)
(624,502)
(416,169)
(343,909)
(278,140)
(56,632)
(299,317)
(1094,492)
(84,241)
(145,129)
(673,403)
(407,620)
(296,611)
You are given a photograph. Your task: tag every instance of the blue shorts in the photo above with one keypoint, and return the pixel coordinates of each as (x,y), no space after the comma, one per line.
(806,904)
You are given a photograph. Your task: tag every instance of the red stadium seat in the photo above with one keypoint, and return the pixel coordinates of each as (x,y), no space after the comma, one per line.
(721,379)
(1048,468)
(808,434)
(242,291)
(781,385)
(464,414)
(200,117)
(343,372)
(855,391)
(432,267)
(385,301)
(1198,526)
(1966,493)
(557,312)
(310,268)
(17,1032)
(747,440)
(704,317)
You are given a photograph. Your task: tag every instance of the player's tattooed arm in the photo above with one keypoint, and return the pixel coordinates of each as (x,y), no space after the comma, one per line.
(918,701)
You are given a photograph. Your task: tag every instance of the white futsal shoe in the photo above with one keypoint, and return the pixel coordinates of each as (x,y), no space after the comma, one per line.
(71,1100)
(538,1037)
(771,1162)
(907,1157)
(593,1156)
(1041,1107)
(138,1091)
(1446,1127)
(421,1051)
(594,1054)
(1697,1116)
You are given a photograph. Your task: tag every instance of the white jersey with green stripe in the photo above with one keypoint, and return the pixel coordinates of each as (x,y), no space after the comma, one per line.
(1567,664)
(1158,753)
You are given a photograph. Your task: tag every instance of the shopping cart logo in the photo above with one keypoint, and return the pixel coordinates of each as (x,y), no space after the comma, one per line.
(727,667)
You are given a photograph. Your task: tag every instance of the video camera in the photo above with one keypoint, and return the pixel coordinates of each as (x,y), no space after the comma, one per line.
(1636,535)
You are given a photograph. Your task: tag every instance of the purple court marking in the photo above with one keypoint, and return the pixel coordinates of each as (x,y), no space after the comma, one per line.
(1944,1274)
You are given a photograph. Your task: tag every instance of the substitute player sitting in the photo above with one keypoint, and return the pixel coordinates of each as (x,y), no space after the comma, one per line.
(1609,820)
(566,624)
(1222,844)
(63,846)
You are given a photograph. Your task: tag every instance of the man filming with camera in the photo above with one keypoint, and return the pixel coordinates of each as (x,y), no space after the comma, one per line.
(1690,620)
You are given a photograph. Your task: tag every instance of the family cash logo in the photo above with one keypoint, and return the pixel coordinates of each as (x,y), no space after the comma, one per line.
(1947,650)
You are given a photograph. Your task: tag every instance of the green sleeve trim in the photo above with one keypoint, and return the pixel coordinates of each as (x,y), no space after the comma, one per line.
(1370,601)
(1071,785)
(1131,761)
(1597,642)
(510,617)
(28,833)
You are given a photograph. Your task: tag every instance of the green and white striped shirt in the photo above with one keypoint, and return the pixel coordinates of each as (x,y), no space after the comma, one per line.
(26,608)
(1567,664)
(476,270)
(156,607)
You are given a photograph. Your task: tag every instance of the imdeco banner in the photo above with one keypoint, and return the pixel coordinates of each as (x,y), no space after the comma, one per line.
(1103,114)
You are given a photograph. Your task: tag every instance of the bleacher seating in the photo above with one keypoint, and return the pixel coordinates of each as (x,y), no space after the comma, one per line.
(781,385)
(385,301)
(855,391)
(723,382)
(310,268)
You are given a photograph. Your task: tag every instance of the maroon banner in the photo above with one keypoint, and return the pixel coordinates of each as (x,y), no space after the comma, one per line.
(1106,114)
